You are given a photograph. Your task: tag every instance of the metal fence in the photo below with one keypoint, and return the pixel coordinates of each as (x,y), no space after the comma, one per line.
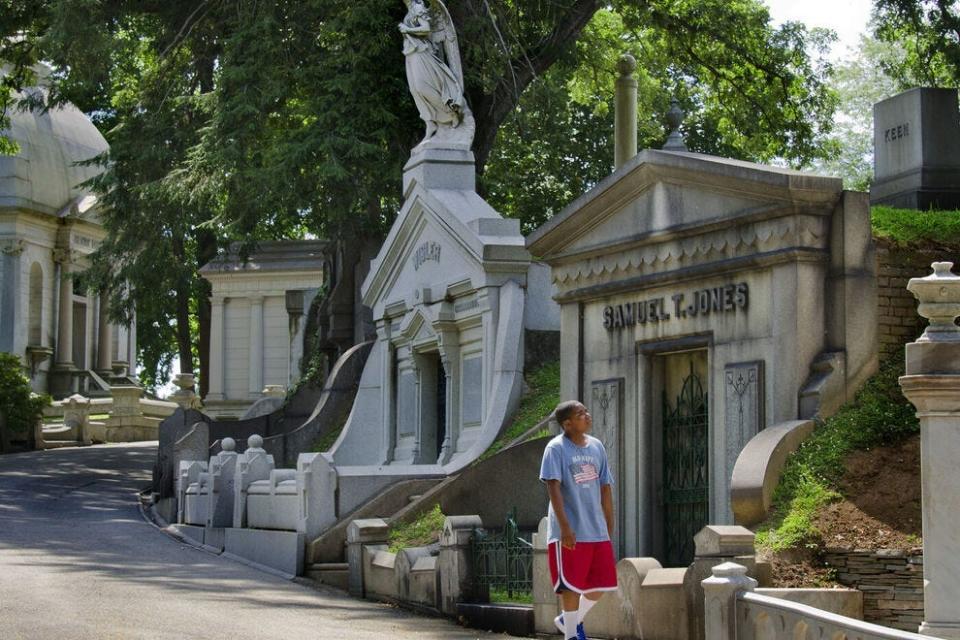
(502,561)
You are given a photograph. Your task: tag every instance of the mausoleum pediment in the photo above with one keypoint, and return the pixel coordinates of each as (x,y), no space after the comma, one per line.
(417,327)
(661,195)
(438,242)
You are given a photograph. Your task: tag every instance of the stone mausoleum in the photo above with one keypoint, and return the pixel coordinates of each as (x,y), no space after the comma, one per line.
(48,228)
(703,300)
(453,292)
(259,307)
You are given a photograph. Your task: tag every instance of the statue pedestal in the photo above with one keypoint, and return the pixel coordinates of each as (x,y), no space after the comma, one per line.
(433,166)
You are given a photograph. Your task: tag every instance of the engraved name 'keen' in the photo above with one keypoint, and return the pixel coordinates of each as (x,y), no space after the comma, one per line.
(897,132)
(702,302)
(426,251)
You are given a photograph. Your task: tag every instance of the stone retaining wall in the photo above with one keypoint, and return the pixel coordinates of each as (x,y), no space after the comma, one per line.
(891,581)
(897,319)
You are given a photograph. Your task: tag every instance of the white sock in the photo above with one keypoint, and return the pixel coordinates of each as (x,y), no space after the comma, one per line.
(585,605)
(570,624)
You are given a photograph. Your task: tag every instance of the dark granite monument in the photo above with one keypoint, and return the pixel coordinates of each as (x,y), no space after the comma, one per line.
(917,150)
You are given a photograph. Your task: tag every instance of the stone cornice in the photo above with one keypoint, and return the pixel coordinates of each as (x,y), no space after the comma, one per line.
(695,272)
(804,236)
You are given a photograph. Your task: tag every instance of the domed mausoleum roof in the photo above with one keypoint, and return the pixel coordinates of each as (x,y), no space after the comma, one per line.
(43,176)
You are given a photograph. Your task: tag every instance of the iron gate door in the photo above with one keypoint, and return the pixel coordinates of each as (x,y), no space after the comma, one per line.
(685,478)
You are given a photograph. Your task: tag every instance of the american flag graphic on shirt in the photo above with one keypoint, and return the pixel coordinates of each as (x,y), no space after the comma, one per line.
(584,472)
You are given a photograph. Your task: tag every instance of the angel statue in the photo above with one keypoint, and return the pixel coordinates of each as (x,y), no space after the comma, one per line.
(434,72)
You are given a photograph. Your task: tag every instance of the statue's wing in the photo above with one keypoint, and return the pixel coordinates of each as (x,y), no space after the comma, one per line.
(445,34)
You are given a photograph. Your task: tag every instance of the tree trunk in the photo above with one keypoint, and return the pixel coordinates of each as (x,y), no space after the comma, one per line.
(206,251)
(182,293)
(491,109)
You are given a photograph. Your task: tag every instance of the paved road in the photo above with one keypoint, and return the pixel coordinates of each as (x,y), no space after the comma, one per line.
(77,561)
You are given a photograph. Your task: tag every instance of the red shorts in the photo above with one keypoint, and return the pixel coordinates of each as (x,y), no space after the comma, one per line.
(589,566)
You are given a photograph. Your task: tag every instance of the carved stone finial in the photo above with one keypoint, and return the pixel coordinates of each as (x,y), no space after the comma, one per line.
(939,298)
(626,65)
(675,118)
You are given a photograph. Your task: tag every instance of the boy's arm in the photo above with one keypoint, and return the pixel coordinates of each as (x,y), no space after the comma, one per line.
(568,538)
(606,503)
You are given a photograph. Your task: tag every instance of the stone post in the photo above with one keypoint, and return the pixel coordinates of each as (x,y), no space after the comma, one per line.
(720,599)
(104,336)
(715,545)
(625,112)
(456,570)
(256,346)
(215,386)
(359,534)
(545,607)
(932,384)
(76,415)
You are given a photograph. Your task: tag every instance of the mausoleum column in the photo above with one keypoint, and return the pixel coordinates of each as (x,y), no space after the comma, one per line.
(65,319)
(450,358)
(932,384)
(256,346)
(215,384)
(104,335)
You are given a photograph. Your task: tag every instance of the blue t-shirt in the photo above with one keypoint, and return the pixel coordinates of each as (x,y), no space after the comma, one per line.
(581,471)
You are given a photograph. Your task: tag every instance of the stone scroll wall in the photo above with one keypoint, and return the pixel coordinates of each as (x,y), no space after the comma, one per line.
(897,319)
(891,581)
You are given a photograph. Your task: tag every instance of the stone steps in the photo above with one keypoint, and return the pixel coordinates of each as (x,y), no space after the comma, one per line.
(333,574)
(59,444)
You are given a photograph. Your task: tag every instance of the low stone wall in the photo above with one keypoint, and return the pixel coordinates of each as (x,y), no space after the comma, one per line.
(897,319)
(891,581)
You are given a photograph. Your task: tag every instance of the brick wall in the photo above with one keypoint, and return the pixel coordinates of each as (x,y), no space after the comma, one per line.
(891,581)
(897,319)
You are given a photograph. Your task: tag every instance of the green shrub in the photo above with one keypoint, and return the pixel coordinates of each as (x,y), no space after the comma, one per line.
(879,415)
(421,532)
(542,397)
(21,407)
(911,227)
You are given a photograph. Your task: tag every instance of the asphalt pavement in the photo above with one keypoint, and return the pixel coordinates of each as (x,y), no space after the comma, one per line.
(79,561)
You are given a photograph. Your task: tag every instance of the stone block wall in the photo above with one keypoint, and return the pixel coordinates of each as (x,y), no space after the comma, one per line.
(891,581)
(897,319)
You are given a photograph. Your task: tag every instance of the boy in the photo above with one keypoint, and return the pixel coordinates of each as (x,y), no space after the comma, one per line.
(578,481)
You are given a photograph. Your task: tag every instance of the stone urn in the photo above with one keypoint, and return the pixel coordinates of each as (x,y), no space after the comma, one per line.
(939,298)
(185,396)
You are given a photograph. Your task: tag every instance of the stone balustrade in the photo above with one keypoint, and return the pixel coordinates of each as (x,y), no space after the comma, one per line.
(243,505)
(735,612)
(208,498)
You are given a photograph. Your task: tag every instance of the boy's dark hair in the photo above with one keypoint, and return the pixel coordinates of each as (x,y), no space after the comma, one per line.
(565,411)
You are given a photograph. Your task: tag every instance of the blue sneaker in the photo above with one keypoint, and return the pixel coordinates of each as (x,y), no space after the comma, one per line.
(558,622)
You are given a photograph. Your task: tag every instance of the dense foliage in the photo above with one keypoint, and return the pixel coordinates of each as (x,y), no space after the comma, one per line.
(929,33)
(20,407)
(251,120)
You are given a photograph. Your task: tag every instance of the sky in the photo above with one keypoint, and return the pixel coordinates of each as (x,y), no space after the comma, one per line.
(847,17)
